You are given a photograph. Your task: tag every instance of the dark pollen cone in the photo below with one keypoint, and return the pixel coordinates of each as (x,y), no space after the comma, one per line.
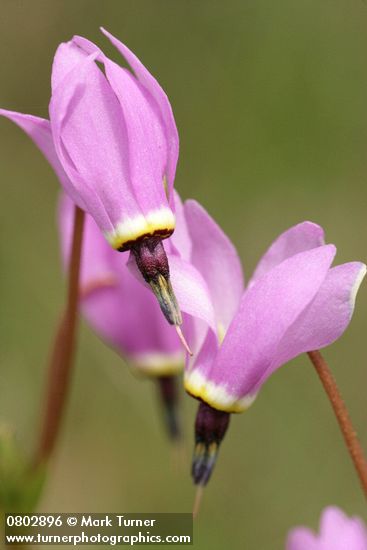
(152,262)
(169,400)
(210,428)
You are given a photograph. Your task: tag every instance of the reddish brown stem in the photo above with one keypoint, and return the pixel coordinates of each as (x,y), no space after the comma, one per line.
(62,352)
(341,412)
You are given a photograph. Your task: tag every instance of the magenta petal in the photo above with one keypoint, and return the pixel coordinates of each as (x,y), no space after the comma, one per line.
(302,538)
(147,146)
(299,238)
(191,290)
(266,312)
(119,308)
(180,242)
(200,365)
(216,258)
(87,47)
(39,130)
(128,318)
(339,532)
(161,99)
(189,287)
(67,57)
(326,317)
(91,141)
(146,138)
(100,264)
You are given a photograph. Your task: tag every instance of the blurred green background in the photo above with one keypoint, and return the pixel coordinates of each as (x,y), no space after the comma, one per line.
(270,102)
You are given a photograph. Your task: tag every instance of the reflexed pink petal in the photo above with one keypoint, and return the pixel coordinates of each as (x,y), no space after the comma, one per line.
(266,312)
(161,99)
(67,57)
(189,287)
(298,238)
(147,146)
(39,130)
(91,141)
(216,258)
(180,242)
(202,362)
(146,138)
(87,47)
(326,317)
(196,331)
(191,290)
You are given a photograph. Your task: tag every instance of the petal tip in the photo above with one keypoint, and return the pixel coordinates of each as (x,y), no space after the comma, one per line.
(107,34)
(87,46)
(317,229)
(357,283)
(331,248)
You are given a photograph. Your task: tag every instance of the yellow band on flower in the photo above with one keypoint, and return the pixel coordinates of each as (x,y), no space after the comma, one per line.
(157,364)
(215,395)
(159,222)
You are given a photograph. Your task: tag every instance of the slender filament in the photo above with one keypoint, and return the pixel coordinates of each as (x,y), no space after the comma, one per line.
(197,501)
(183,340)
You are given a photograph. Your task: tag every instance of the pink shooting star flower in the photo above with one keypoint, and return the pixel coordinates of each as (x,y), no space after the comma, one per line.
(295,302)
(124,313)
(113,143)
(337,532)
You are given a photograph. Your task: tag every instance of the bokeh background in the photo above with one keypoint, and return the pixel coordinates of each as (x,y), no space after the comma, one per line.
(270,102)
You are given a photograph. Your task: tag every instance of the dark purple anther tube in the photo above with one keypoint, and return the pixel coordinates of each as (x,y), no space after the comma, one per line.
(152,262)
(210,428)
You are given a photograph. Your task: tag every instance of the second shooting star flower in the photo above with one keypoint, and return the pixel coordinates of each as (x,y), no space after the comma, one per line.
(337,532)
(295,302)
(113,142)
(125,314)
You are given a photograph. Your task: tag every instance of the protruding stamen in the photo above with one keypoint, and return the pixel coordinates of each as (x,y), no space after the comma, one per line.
(183,340)
(152,262)
(197,501)
(210,428)
(205,457)
(163,291)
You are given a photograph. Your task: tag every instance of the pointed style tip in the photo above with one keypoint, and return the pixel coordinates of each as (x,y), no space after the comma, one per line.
(197,501)
(183,340)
